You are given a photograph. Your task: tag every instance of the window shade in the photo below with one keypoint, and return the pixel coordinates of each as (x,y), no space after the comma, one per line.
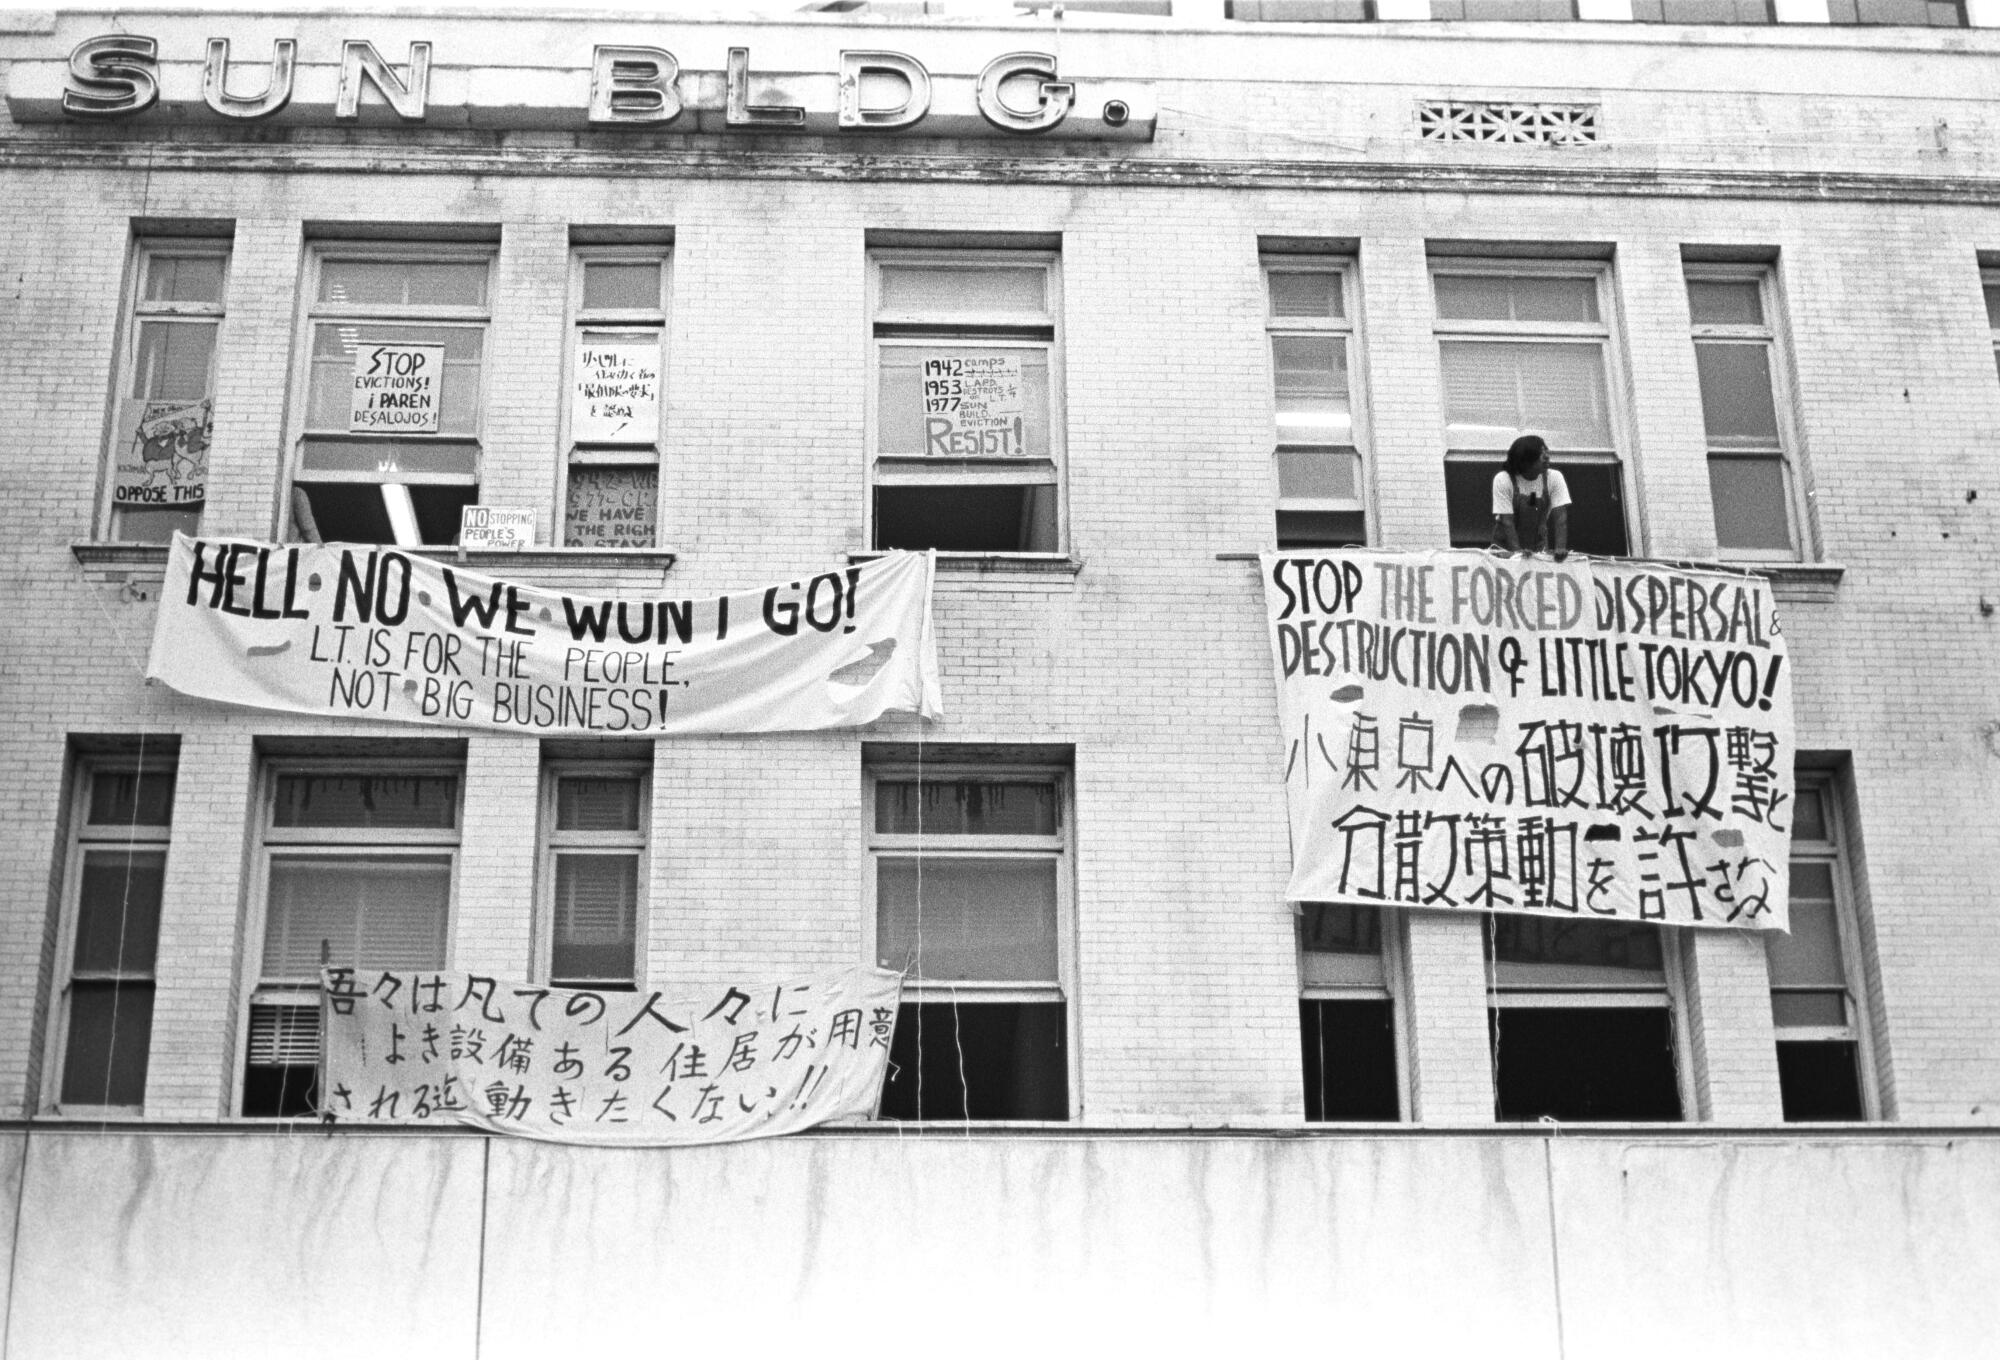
(371,911)
(968,920)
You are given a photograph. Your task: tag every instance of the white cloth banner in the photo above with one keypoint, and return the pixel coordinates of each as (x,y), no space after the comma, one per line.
(627,1068)
(1490,733)
(371,632)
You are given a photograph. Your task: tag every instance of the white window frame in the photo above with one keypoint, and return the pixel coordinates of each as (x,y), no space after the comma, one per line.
(1771,335)
(138,312)
(555,842)
(1990,279)
(622,323)
(84,837)
(275,842)
(1392,988)
(1601,333)
(312,312)
(1859,1029)
(1002,331)
(954,846)
(1347,329)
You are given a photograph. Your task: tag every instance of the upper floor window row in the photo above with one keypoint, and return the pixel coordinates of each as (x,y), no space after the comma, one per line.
(1864,13)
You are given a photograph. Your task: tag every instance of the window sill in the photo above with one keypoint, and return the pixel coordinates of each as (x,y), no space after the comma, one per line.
(494,561)
(995,563)
(1800,582)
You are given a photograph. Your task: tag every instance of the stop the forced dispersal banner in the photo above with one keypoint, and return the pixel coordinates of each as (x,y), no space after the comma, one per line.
(371,632)
(1471,731)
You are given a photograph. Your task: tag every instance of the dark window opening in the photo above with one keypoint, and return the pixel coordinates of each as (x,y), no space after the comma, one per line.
(966,518)
(287,1092)
(1349,1051)
(1596,512)
(1322,529)
(110,1035)
(353,512)
(1820,1079)
(984,1060)
(1584,1063)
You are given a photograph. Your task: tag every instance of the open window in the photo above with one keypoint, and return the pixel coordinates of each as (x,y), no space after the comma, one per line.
(359,865)
(393,345)
(1321,503)
(967,426)
(1581,1020)
(163,418)
(616,401)
(971,896)
(1525,349)
(112,892)
(1752,476)
(1347,1015)
(594,818)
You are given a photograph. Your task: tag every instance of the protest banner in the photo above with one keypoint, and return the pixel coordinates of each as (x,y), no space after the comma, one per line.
(617,396)
(973,405)
(398,389)
(369,632)
(635,1069)
(166,462)
(611,507)
(1465,730)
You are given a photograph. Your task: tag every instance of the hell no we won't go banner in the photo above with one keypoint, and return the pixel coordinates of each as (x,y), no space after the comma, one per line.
(746,1060)
(369,632)
(1508,734)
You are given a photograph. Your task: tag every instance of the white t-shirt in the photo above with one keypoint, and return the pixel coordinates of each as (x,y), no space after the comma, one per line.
(1550,484)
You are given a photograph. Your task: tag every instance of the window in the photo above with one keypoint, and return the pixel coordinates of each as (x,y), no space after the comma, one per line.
(164,414)
(1347,1020)
(117,870)
(594,874)
(971,890)
(388,445)
(1581,1020)
(1918,13)
(1320,503)
(1750,472)
(1507,11)
(358,873)
(618,301)
(1299,11)
(967,427)
(1992,285)
(1527,351)
(1703,12)
(1813,994)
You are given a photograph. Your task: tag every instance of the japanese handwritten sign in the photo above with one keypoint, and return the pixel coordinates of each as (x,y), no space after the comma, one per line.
(617,397)
(337,629)
(166,464)
(1486,733)
(634,1068)
(973,405)
(398,389)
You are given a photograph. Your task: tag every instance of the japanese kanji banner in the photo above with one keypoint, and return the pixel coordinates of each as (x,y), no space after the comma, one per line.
(628,1068)
(368,632)
(1491,733)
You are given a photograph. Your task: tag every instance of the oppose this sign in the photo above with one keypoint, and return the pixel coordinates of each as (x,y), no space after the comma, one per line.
(338,629)
(746,1061)
(166,464)
(973,406)
(397,389)
(1491,733)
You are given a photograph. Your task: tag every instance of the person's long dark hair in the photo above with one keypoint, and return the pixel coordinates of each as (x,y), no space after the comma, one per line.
(1524,453)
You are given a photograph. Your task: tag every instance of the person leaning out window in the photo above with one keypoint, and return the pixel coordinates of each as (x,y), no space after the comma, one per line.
(1530,501)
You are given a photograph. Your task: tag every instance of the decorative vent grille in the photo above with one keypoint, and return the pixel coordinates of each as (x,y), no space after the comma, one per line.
(1518,124)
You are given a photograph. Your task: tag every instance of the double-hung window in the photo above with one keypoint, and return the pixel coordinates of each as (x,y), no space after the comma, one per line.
(971,903)
(618,302)
(967,427)
(1527,350)
(1822,1053)
(1318,453)
(164,414)
(1347,1015)
(1992,287)
(594,874)
(387,448)
(1582,1020)
(117,870)
(358,873)
(1750,473)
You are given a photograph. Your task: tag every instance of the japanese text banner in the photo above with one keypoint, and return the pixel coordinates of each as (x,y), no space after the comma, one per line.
(371,632)
(627,1068)
(1585,738)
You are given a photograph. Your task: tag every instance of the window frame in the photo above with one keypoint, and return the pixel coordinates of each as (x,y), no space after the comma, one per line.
(619,324)
(1770,334)
(81,838)
(914,330)
(554,842)
(1347,328)
(1393,989)
(275,842)
(299,432)
(1604,333)
(137,312)
(1989,282)
(1057,848)
(1859,1029)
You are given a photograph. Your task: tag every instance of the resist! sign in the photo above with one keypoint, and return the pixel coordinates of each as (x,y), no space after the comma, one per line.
(1489,733)
(376,633)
